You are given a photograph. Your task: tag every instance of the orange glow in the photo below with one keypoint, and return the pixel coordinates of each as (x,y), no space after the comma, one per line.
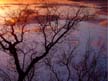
(6,1)
(2,1)
(49,1)
(104,23)
(29,1)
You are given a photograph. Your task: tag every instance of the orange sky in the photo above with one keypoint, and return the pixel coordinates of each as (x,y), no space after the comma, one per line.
(27,1)
(37,1)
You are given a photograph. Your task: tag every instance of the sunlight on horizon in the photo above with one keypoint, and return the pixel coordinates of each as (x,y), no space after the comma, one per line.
(29,1)
(5,9)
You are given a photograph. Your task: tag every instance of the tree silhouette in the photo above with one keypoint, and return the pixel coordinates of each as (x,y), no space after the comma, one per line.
(14,32)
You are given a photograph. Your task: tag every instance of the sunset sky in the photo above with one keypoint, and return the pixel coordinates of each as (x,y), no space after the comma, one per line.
(37,1)
(15,1)
(91,3)
(28,1)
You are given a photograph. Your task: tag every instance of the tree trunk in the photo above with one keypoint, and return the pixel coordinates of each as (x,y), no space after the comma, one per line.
(21,78)
(80,79)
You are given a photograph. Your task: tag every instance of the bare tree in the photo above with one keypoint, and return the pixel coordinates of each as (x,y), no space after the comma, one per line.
(65,61)
(87,68)
(13,35)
